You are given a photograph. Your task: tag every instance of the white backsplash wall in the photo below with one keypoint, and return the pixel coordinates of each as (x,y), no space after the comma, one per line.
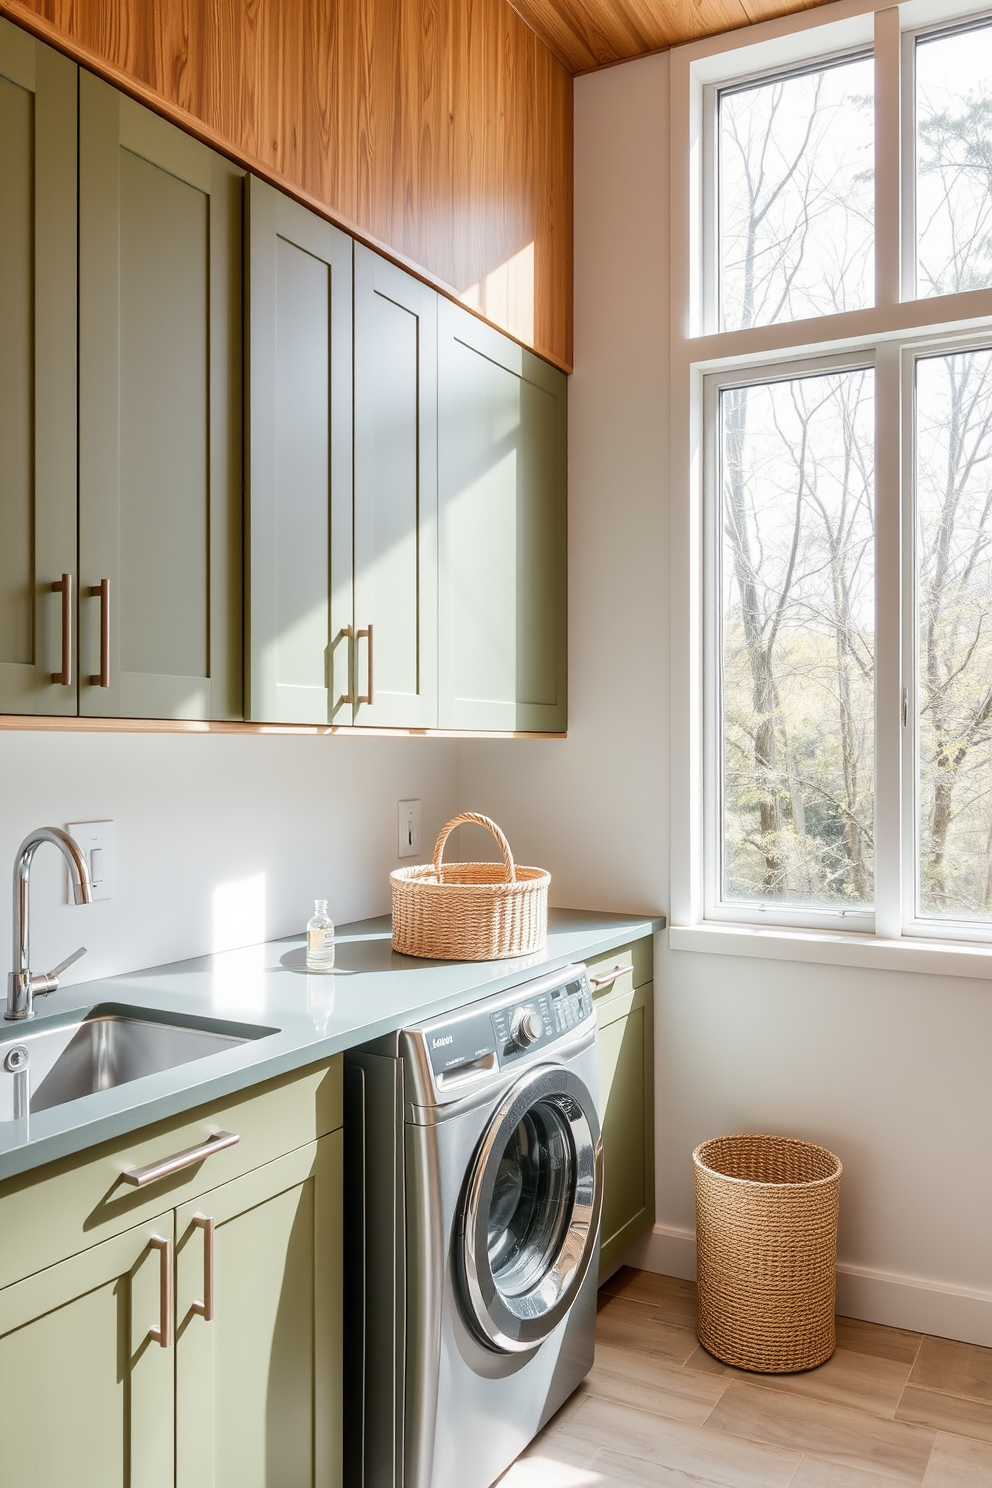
(888,1069)
(222,839)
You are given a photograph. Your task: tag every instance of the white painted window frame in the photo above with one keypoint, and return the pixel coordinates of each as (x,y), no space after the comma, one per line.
(890,334)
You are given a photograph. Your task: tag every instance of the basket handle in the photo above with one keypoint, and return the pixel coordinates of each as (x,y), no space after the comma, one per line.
(481,821)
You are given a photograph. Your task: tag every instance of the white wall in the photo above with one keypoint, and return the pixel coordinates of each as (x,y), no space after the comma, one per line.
(302,816)
(889,1070)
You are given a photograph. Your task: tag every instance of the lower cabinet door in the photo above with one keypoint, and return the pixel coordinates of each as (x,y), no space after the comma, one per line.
(626,1078)
(258,1327)
(87,1382)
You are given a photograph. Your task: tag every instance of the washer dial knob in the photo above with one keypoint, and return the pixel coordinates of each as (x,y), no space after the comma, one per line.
(526,1027)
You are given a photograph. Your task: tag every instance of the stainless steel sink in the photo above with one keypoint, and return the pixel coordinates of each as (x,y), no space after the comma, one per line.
(112,1045)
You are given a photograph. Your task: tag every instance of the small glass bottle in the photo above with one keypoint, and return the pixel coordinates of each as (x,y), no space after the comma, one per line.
(320,938)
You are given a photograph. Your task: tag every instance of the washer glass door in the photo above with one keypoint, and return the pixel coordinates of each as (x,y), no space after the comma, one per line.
(531,1211)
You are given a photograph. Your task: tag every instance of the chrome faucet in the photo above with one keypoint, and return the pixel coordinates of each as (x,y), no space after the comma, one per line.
(22,987)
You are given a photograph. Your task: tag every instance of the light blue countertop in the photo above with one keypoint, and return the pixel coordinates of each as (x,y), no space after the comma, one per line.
(371,991)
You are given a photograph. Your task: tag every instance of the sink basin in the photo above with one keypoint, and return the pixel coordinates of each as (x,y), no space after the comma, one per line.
(110,1046)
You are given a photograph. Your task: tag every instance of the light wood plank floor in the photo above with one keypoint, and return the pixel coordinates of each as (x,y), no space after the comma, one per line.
(657,1411)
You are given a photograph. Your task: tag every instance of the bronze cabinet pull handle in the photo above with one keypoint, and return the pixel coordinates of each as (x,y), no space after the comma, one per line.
(63,586)
(188,1158)
(348,633)
(367,697)
(163,1332)
(604,981)
(101,591)
(206,1307)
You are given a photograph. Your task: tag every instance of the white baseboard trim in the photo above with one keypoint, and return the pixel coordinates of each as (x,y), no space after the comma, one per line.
(668,1251)
(912,1302)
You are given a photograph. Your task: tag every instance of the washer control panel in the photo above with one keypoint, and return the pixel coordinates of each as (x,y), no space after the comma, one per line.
(523,1021)
(548,1016)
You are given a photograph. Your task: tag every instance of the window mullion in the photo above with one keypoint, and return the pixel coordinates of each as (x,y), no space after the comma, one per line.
(888,642)
(888,158)
(908,643)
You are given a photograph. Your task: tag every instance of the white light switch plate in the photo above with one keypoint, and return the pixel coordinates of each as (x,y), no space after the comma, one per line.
(97,841)
(408,829)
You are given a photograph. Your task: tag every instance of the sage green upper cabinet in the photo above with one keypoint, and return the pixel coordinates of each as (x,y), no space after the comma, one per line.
(37,375)
(300,595)
(501,531)
(89,1383)
(159,416)
(395,511)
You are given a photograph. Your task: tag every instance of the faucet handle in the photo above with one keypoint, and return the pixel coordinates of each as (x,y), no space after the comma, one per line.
(57,971)
(41,986)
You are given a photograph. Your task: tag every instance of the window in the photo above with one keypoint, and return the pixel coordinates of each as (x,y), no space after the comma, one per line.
(953,160)
(797,640)
(953,586)
(796,168)
(835,377)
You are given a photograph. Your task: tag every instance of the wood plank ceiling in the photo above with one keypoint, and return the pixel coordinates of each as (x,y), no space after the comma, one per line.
(585,34)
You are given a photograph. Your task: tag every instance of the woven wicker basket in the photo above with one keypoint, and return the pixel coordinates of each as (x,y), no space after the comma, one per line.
(766,1251)
(469,911)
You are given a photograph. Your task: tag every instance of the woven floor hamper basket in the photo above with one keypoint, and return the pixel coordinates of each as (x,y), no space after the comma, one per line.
(469,911)
(766,1251)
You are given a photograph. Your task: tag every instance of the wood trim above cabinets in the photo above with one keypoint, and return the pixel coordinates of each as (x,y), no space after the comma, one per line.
(435,132)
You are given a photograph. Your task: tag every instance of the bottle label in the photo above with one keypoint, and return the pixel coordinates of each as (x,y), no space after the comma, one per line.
(320,948)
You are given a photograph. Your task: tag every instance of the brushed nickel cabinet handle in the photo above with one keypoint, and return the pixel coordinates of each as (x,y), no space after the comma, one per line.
(348,632)
(163,1333)
(63,586)
(206,1307)
(605,981)
(188,1158)
(101,591)
(367,697)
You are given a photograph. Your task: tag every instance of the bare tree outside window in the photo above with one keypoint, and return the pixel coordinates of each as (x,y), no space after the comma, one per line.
(797,640)
(796,195)
(954,161)
(954,582)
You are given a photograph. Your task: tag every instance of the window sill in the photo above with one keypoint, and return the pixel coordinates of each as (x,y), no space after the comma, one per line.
(834,948)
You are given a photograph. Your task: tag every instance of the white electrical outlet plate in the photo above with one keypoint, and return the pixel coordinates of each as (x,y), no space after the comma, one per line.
(408,829)
(97,841)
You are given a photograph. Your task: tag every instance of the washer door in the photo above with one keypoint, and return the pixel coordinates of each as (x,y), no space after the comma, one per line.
(530,1214)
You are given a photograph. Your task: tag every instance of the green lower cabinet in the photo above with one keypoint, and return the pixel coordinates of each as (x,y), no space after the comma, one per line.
(89,1386)
(626,1074)
(258,1383)
(243,1391)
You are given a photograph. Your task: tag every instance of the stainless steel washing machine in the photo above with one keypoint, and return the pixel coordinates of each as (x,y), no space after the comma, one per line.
(474,1188)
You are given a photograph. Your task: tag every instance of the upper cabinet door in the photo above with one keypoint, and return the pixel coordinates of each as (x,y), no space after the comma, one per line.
(299,463)
(160,416)
(37,376)
(501,531)
(395,619)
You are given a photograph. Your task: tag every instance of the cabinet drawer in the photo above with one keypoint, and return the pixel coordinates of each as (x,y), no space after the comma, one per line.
(57,1210)
(633,963)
